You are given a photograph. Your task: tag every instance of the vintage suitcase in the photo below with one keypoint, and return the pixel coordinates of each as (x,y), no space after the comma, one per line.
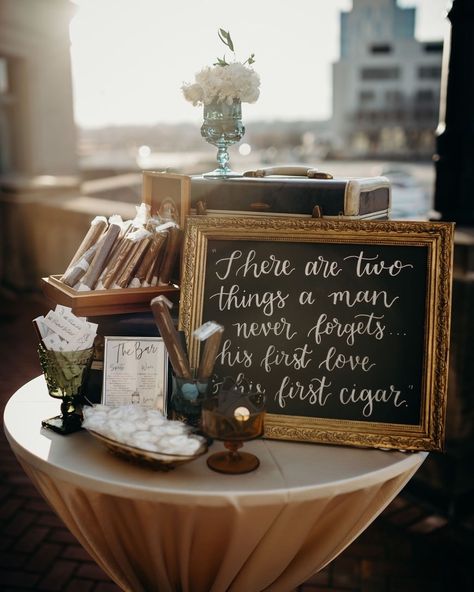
(285,191)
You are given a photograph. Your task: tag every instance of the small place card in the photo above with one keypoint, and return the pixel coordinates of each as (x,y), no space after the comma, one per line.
(61,330)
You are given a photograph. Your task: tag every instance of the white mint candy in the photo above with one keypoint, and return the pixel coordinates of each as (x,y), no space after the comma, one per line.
(143,428)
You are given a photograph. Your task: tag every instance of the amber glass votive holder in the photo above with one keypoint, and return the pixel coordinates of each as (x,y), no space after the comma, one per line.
(234,425)
(66,374)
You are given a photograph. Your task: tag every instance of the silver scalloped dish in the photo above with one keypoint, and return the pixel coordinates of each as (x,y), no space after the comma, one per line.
(160,461)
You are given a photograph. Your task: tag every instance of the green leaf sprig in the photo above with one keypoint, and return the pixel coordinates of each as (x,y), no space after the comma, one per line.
(226,39)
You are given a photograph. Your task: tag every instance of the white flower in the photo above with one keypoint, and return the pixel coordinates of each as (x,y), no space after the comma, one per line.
(192,93)
(223,84)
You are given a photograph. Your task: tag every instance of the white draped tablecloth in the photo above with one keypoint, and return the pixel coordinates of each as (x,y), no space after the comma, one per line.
(194,530)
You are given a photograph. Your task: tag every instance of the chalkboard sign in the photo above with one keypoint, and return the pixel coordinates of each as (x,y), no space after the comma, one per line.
(343,325)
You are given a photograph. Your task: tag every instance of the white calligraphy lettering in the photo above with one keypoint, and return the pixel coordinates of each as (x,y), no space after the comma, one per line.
(235,298)
(314,392)
(268,266)
(229,357)
(370,325)
(371,265)
(334,360)
(297,359)
(369,396)
(362,297)
(322,266)
(254,329)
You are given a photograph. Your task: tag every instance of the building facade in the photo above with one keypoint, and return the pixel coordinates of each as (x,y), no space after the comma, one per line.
(37,129)
(386,85)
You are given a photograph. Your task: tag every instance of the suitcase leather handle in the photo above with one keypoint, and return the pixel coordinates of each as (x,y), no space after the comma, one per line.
(290,170)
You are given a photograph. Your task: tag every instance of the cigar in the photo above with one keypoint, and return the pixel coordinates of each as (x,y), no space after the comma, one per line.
(171,253)
(116,248)
(211,332)
(179,361)
(133,262)
(98,262)
(149,259)
(115,264)
(79,268)
(182,340)
(97,227)
(151,278)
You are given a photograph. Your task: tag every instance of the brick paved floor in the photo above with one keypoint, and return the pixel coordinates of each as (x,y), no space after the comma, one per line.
(411,547)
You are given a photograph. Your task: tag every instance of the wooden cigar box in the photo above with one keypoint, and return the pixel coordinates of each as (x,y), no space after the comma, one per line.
(104,302)
(162,191)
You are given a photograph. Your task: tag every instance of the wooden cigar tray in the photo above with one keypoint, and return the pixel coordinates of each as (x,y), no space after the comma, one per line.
(161,191)
(104,302)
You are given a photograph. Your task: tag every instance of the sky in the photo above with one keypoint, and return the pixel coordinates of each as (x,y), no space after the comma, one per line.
(131,57)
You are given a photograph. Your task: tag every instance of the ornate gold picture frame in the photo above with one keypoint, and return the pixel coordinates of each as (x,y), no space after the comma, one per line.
(343,325)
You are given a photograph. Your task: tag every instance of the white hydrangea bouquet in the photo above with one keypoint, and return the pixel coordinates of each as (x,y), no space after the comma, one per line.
(224,81)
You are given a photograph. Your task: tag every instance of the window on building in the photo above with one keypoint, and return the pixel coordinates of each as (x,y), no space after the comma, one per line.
(3,76)
(425,115)
(399,115)
(381,48)
(393,97)
(391,73)
(433,47)
(425,96)
(366,96)
(429,72)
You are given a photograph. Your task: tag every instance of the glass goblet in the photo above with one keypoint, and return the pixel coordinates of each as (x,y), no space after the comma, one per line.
(66,374)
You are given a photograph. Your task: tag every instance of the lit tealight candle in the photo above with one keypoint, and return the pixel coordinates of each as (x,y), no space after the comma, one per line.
(242,414)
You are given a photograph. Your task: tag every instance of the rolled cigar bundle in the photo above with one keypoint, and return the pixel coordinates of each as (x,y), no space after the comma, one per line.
(79,268)
(116,247)
(125,227)
(96,229)
(178,358)
(211,333)
(100,258)
(173,245)
(140,252)
(140,246)
(116,263)
(149,259)
(151,278)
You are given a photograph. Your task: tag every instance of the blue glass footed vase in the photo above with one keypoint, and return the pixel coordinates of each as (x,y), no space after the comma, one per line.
(222,127)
